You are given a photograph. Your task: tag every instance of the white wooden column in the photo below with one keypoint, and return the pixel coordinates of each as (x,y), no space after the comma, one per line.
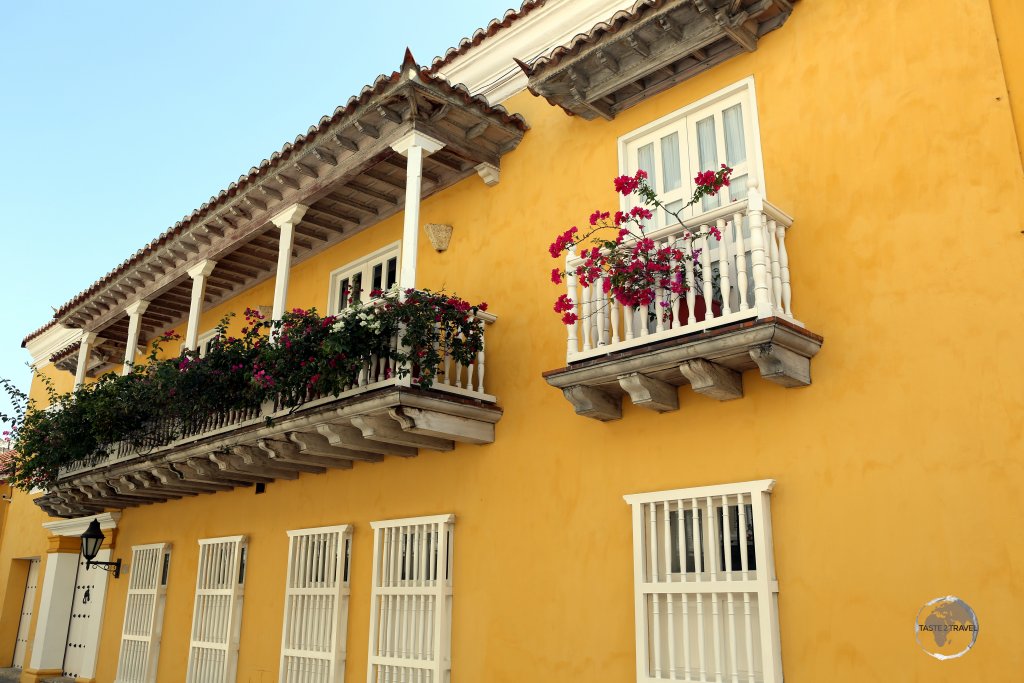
(286,222)
(414,146)
(135,312)
(199,274)
(84,349)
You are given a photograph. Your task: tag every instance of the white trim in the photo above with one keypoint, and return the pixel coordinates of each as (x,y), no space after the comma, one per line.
(744,86)
(142,626)
(217,612)
(50,342)
(758,485)
(412,566)
(704,583)
(78,525)
(488,69)
(315,625)
(384,253)
(429,519)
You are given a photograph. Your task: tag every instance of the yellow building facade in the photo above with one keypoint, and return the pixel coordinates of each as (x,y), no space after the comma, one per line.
(888,132)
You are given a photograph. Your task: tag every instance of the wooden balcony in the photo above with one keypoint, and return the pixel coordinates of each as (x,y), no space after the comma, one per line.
(382,415)
(736,315)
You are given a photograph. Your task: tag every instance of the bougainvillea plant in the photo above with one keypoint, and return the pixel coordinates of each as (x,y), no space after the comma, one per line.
(630,266)
(287,362)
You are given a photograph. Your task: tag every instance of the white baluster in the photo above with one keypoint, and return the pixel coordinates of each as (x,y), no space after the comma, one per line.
(628,314)
(677,299)
(614,311)
(600,313)
(659,298)
(723,265)
(776,268)
(787,295)
(570,285)
(480,363)
(705,271)
(690,282)
(588,324)
(755,217)
(469,368)
(741,260)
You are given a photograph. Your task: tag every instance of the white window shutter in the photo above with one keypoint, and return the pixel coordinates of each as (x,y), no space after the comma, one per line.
(705,587)
(316,605)
(143,614)
(217,617)
(411,600)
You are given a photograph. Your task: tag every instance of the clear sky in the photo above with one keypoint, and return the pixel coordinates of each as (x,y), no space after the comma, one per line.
(119,118)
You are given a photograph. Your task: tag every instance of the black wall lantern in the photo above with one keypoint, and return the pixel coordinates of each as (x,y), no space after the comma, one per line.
(92,539)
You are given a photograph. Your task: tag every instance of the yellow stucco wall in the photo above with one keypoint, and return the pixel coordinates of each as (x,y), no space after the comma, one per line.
(899,470)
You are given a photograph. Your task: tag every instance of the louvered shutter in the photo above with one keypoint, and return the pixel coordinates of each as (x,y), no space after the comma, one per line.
(316,605)
(143,614)
(411,600)
(217,617)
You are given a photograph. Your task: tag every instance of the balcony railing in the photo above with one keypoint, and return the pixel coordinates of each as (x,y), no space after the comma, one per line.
(736,315)
(383,413)
(743,276)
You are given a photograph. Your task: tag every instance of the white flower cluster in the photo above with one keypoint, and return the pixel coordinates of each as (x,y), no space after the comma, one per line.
(358,315)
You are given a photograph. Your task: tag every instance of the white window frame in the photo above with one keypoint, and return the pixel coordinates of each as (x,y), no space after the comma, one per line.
(144,613)
(411,600)
(315,625)
(228,556)
(364,267)
(684,121)
(715,622)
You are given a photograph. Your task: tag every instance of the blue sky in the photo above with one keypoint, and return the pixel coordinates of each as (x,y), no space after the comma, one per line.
(117,118)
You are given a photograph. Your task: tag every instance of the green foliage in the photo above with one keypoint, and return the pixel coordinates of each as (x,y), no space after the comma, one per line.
(288,362)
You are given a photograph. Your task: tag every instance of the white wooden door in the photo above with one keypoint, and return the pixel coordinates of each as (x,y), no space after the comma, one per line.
(143,614)
(217,617)
(316,605)
(86,613)
(27,603)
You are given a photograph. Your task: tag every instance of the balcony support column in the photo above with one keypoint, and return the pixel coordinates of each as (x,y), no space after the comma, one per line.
(84,350)
(286,222)
(135,312)
(199,274)
(414,146)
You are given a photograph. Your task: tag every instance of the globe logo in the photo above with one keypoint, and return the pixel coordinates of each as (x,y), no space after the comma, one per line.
(946,628)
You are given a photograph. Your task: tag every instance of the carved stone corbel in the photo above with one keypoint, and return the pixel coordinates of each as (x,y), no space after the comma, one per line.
(594,403)
(650,393)
(712,380)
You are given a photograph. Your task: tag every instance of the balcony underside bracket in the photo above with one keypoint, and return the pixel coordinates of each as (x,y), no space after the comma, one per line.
(592,402)
(712,380)
(781,365)
(650,393)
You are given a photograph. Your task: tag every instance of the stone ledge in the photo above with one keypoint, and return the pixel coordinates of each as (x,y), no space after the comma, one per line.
(322,434)
(712,363)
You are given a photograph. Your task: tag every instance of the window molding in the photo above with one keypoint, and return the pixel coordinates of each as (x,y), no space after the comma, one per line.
(363,266)
(217,614)
(412,585)
(315,624)
(741,87)
(144,613)
(715,617)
